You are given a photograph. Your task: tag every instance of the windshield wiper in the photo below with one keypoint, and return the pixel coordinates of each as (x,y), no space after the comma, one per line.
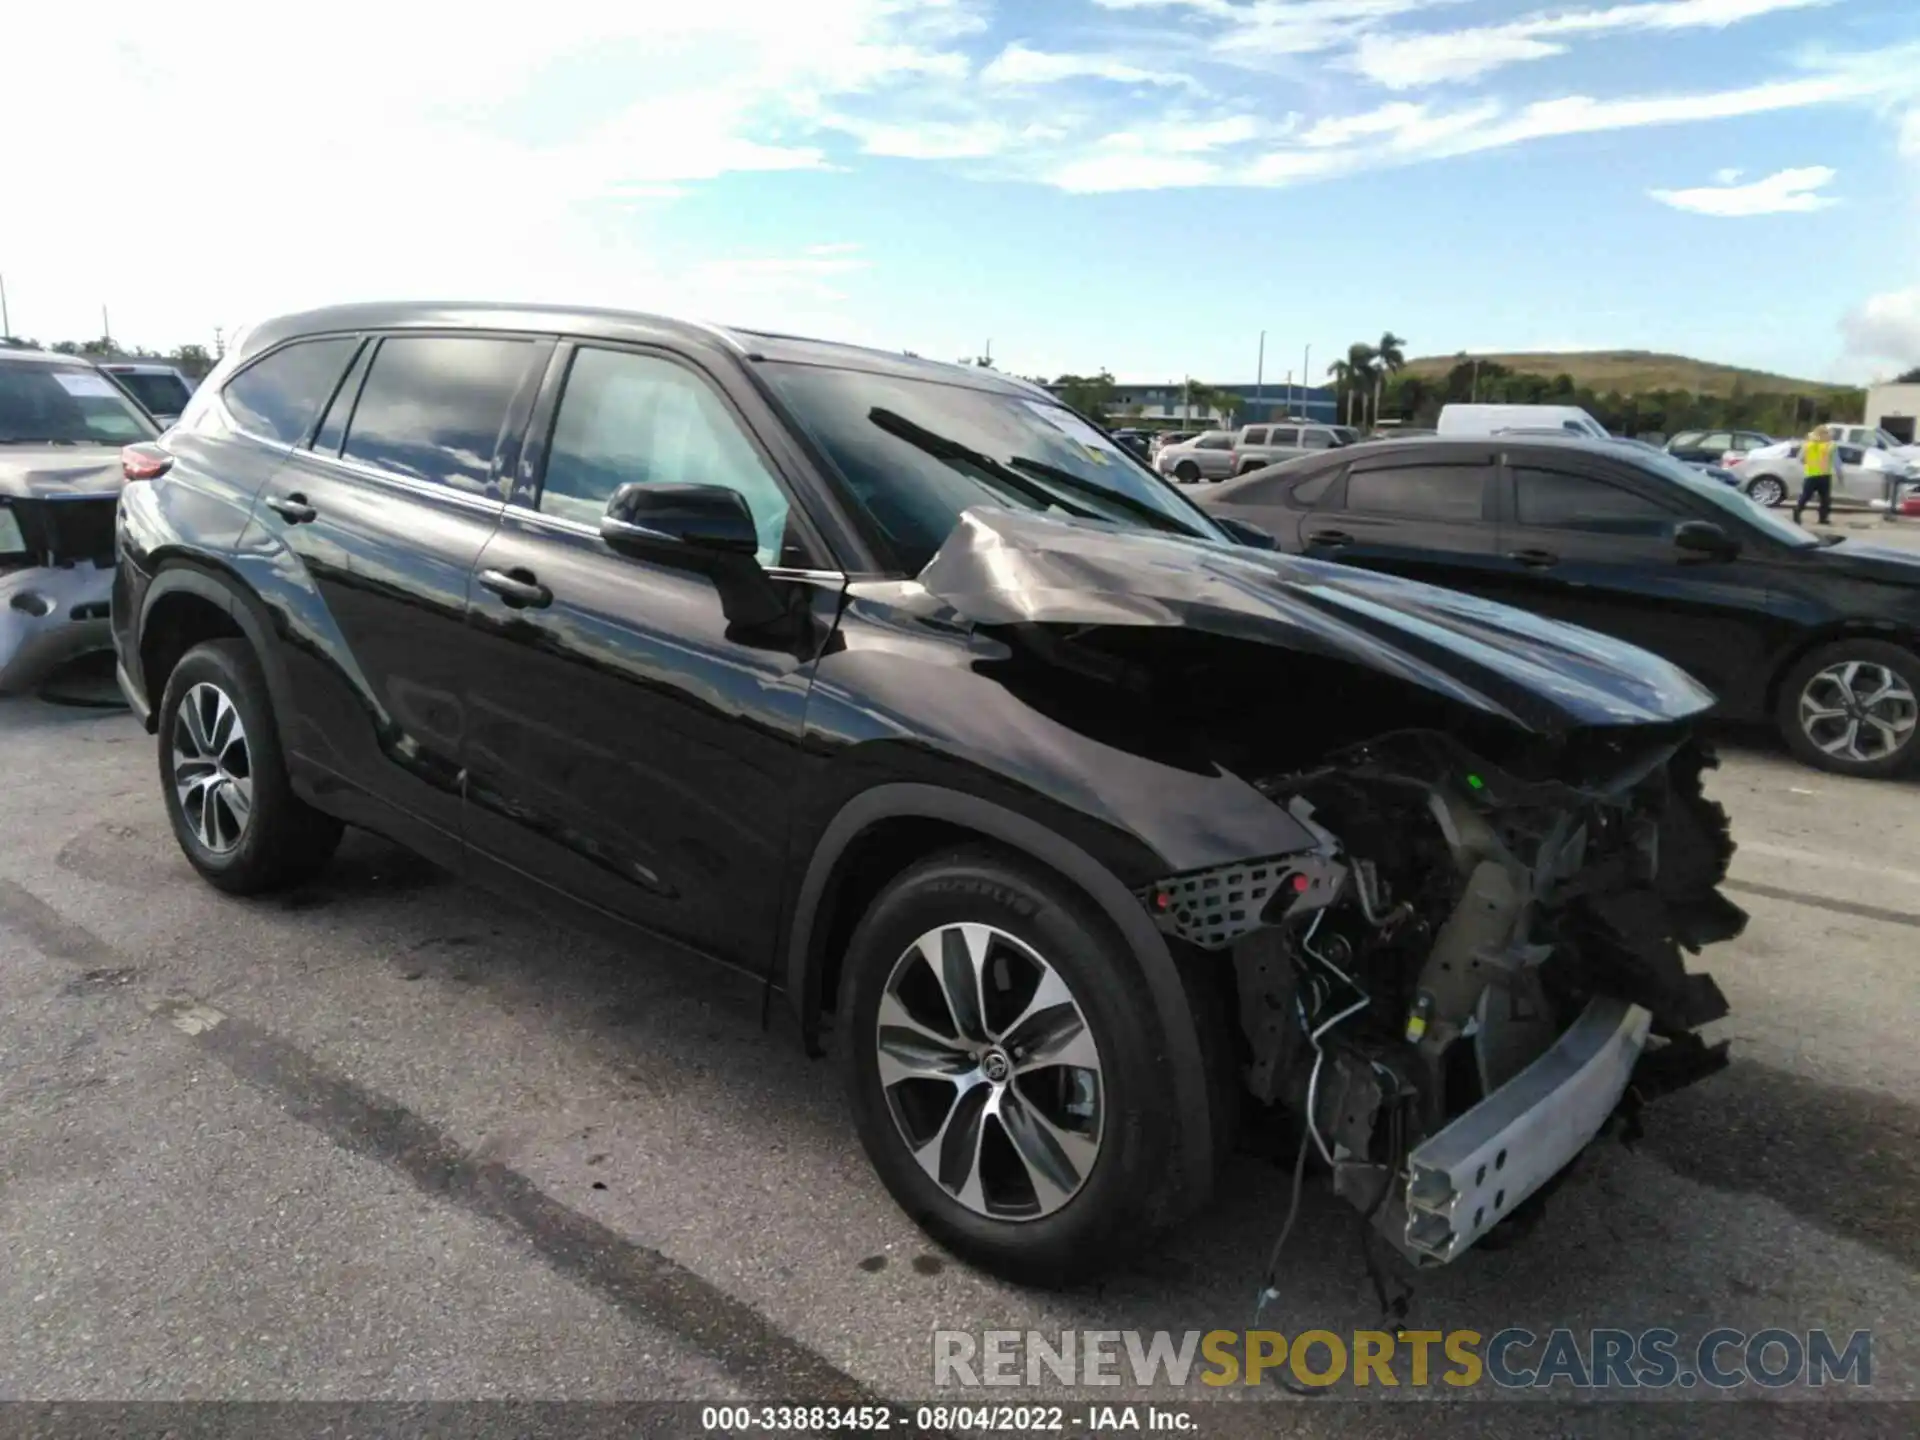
(1021,472)
(942,448)
(1159,519)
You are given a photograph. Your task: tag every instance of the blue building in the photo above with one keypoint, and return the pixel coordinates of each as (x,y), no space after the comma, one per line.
(1166,404)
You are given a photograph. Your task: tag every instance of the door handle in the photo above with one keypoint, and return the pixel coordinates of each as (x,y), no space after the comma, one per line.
(1329,537)
(1534,559)
(518,588)
(293,508)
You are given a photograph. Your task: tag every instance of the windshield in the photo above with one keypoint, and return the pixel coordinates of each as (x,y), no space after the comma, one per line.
(162,394)
(915,454)
(65,405)
(1728,498)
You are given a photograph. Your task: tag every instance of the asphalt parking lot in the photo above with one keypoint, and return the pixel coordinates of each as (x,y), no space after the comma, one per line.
(387,1137)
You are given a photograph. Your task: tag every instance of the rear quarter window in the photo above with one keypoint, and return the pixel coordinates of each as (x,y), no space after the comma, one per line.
(279,396)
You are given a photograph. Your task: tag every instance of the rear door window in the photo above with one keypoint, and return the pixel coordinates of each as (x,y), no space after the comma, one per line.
(1555,500)
(279,396)
(1419,492)
(1214,442)
(1286,435)
(433,407)
(1254,437)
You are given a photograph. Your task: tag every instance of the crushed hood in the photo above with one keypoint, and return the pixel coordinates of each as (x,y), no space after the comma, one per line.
(1004,567)
(59,472)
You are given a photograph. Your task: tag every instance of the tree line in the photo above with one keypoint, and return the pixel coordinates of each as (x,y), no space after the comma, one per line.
(194,361)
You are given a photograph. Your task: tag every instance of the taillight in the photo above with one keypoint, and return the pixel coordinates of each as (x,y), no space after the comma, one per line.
(144,462)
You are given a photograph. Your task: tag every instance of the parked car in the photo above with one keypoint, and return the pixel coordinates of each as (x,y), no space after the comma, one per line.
(163,389)
(1208,456)
(1135,442)
(1818,638)
(1257,446)
(1773,474)
(1712,447)
(1492,419)
(897,686)
(1164,438)
(62,425)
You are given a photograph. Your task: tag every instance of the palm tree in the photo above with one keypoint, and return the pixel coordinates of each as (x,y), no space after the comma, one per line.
(1392,355)
(1355,373)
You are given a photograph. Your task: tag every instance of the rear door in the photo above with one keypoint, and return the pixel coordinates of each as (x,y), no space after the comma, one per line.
(631,746)
(1424,516)
(1593,545)
(378,521)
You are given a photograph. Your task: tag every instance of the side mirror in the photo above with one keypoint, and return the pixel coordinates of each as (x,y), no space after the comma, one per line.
(677,524)
(1706,539)
(1245,534)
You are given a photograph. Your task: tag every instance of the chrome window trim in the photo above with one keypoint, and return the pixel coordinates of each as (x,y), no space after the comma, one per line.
(541,521)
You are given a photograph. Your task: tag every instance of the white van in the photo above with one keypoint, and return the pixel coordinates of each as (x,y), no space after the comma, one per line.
(1493,419)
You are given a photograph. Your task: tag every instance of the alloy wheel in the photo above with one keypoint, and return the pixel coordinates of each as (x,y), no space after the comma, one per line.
(1767,492)
(1858,710)
(212,768)
(990,1071)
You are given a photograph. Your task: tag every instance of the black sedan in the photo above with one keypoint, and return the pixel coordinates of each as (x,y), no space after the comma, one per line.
(1818,636)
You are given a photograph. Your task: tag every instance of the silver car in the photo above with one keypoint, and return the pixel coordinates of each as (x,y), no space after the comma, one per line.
(1208,456)
(62,426)
(1258,446)
(1867,461)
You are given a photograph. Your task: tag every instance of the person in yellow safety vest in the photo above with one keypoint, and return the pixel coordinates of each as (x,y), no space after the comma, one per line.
(1816,460)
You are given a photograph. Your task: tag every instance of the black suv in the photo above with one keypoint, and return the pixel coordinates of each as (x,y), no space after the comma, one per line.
(1074,822)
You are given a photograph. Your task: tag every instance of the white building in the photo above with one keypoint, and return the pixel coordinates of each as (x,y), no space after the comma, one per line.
(1895,409)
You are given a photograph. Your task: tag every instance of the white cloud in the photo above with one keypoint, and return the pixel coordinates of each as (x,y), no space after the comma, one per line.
(1886,328)
(1408,61)
(1412,62)
(522,162)
(1784,192)
(1727,177)
(1018,65)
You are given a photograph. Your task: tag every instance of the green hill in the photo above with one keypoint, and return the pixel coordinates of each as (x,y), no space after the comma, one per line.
(1632,372)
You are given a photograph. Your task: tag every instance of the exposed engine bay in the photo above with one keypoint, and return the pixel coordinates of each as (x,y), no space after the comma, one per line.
(1455,989)
(1457,924)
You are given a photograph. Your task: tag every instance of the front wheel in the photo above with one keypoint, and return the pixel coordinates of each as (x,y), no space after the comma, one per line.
(1186,471)
(225,784)
(1850,707)
(1002,1068)
(1767,491)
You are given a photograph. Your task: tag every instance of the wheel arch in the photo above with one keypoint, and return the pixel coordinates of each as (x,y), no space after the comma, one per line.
(190,601)
(1906,637)
(905,822)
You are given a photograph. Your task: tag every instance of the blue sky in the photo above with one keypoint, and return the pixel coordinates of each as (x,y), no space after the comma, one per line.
(1143,185)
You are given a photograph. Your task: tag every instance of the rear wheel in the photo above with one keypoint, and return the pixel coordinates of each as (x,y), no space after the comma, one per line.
(1851,707)
(233,811)
(1251,466)
(1003,1070)
(1186,470)
(1767,491)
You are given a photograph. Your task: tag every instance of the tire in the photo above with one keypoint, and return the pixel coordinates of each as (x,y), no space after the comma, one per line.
(1186,471)
(1250,467)
(235,814)
(1767,491)
(1016,1222)
(1824,703)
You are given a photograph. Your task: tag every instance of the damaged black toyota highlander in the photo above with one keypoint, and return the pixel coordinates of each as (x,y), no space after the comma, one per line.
(1085,832)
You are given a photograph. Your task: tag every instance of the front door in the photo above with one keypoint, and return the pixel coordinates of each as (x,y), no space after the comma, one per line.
(383,516)
(1598,551)
(630,746)
(1421,518)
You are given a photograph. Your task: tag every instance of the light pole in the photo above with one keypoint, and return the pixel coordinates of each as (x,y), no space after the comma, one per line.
(1260,371)
(1306,367)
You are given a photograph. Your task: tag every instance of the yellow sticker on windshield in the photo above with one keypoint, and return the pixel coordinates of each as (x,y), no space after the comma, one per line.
(1097,446)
